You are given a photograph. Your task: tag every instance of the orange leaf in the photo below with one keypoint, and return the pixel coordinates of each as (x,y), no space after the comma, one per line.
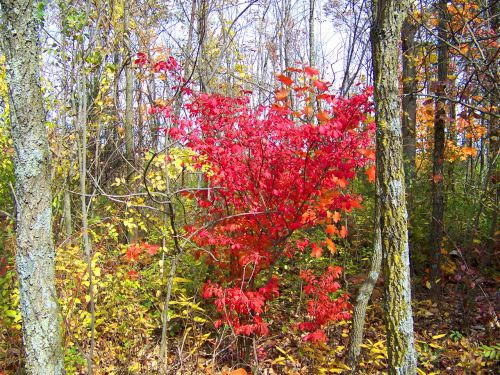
(308,111)
(437,178)
(368,153)
(341,182)
(240,371)
(370,172)
(316,251)
(331,246)
(355,203)
(331,230)
(322,116)
(285,79)
(281,94)
(311,71)
(343,232)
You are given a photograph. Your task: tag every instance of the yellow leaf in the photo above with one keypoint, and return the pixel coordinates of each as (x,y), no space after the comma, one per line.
(435,346)
(279,361)
(439,336)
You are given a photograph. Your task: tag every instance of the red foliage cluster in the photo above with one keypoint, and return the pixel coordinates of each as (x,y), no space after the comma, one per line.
(137,248)
(324,305)
(276,174)
(242,309)
(272,171)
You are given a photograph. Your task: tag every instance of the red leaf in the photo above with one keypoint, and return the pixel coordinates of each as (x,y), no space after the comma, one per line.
(285,79)
(320,85)
(311,71)
(151,249)
(133,252)
(316,337)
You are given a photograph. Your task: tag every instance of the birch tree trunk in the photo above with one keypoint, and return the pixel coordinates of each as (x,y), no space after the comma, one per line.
(35,249)
(388,17)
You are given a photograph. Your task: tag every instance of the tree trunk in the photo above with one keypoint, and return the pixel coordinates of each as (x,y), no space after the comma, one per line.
(409,115)
(385,35)
(35,249)
(312,47)
(437,180)
(493,148)
(364,294)
(129,92)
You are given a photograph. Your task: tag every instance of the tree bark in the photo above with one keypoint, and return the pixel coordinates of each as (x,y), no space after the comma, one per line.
(385,35)
(35,249)
(409,115)
(364,294)
(437,180)
(312,47)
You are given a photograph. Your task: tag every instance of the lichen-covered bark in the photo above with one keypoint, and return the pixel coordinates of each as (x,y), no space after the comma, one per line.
(35,249)
(386,30)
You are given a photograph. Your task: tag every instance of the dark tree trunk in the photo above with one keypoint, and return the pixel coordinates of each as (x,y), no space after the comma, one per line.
(409,115)
(437,179)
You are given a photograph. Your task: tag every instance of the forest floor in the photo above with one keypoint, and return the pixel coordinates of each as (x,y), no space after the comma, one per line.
(458,336)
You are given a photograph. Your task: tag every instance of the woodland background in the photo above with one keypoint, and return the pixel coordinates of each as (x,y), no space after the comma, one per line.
(147,242)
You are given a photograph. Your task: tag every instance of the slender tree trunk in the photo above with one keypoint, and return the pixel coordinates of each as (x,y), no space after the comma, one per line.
(87,246)
(35,249)
(493,146)
(409,115)
(67,217)
(129,92)
(202,64)
(312,49)
(385,35)
(437,179)
(364,294)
